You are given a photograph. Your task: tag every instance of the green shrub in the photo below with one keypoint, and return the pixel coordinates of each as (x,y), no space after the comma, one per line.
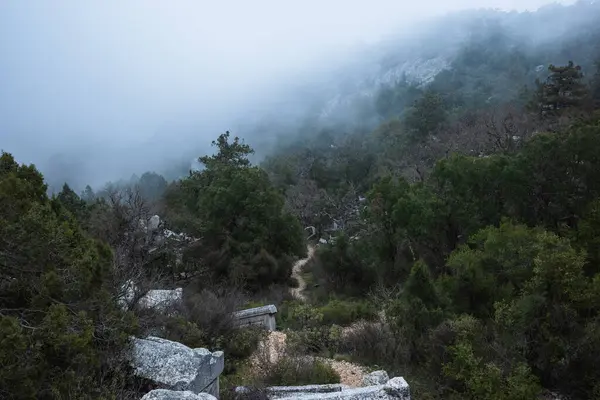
(323,340)
(293,282)
(344,312)
(344,268)
(178,329)
(297,315)
(296,371)
(376,344)
(242,343)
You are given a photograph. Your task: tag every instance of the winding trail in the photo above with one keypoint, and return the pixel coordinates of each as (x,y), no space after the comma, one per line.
(297,293)
(274,348)
(350,374)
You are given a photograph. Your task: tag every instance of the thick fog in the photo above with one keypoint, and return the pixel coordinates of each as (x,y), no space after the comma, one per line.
(96,91)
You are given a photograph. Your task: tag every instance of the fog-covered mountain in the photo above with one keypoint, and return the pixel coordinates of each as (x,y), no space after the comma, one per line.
(484,55)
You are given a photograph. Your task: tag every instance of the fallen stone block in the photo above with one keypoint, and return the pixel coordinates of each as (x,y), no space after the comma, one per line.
(164,394)
(174,366)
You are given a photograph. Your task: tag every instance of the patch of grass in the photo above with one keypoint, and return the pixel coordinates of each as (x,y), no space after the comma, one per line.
(297,371)
(345,312)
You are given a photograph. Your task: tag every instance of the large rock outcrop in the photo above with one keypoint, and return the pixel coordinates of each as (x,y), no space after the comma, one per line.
(174,366)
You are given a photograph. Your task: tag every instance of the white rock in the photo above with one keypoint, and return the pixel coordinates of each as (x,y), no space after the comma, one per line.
(161,300)
(164,394)
(175,366)
(376,378)
(153,223)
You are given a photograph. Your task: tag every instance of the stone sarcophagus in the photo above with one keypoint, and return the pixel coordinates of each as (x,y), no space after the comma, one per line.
(260,316)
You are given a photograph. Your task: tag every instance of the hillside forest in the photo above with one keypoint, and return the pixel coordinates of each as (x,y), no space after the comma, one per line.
(457,243)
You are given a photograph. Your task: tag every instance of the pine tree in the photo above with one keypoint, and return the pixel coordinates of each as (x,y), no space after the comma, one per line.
(563,90)
(242,216)
(72,202)
(88,194)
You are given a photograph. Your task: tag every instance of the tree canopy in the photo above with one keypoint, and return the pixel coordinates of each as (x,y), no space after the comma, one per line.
(61,332)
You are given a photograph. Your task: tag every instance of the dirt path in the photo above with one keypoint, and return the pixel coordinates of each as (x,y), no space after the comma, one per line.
(273,348)
(297,274)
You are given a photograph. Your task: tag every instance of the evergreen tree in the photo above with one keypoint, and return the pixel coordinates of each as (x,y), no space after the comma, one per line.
(426,115)
(88,194)
(248,237)
(563,90)
(62,334)
(152,186)
(73,203)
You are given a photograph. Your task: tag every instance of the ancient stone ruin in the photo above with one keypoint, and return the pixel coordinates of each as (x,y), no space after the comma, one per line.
(176,367)
(164,394)
(377,385)
(260,316)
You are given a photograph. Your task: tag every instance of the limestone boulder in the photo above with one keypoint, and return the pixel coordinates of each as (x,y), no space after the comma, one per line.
(376,378)
(162,300)
(174,366)
(153,223)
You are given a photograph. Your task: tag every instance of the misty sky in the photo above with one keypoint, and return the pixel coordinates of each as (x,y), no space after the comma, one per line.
(114,86)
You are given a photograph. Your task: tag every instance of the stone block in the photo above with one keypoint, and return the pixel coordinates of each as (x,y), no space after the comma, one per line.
(258,316)
(174,366)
